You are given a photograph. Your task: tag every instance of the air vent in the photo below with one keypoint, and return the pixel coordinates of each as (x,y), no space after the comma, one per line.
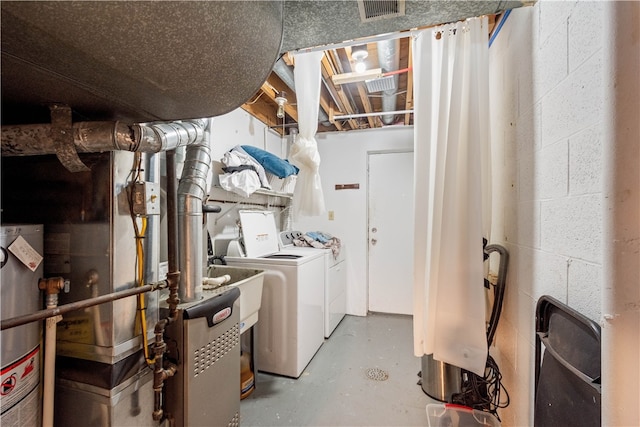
(382,84)
(374,10)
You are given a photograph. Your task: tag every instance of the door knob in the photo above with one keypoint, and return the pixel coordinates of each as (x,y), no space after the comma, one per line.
(374,241)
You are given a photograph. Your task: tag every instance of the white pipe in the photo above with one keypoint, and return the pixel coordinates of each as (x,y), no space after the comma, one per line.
(49,369)
(214,282)
(94,311)
(621,210)
(379,113)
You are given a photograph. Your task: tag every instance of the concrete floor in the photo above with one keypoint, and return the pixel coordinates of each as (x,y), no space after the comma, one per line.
(335,390)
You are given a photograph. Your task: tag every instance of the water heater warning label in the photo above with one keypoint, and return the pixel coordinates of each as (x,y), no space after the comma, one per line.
(25,253)
(17,381)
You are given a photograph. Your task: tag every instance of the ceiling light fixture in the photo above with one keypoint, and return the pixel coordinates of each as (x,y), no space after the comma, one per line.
(281,100)
(359,53)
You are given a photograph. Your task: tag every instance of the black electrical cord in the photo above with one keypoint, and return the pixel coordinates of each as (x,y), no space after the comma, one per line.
(483,393)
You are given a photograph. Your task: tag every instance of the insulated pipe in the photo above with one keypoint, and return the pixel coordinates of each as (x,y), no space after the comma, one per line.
(389,60)
(191,194)
(96,137)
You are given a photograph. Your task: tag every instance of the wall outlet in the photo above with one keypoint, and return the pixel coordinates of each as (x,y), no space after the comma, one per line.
(146,198)
(331,216)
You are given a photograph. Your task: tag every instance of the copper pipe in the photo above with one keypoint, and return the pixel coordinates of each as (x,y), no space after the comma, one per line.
(62,309)
(172,211)
(160,374)
(391,73)
(172,235)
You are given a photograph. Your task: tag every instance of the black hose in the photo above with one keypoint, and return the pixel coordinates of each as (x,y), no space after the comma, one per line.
(498,290)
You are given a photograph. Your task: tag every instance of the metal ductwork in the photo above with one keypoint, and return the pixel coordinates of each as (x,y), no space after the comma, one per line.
(314,23)
(98,137)
(94,137)
(389,60)
(135,61)
(191,195)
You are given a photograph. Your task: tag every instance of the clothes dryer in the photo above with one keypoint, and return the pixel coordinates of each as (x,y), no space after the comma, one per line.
(335,278)
(291,317)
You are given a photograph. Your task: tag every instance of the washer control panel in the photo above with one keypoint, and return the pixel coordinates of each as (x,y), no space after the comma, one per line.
(286,238)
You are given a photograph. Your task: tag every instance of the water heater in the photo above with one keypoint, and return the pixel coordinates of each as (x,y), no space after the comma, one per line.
(21,249)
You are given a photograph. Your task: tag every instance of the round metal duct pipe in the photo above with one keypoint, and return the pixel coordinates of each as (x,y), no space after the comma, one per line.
(135,61)
(389,59)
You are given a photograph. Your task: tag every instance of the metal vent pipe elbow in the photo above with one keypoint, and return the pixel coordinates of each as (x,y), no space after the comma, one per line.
(98,137)
(191,194)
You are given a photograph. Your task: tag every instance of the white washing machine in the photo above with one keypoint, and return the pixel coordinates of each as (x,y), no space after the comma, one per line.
(335,279)
(291,318)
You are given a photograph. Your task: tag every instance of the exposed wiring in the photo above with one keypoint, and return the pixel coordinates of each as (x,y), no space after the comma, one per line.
(256,99)
(139,234)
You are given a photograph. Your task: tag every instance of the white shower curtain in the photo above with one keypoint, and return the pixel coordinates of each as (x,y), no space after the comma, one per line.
(308,198)
(452,192)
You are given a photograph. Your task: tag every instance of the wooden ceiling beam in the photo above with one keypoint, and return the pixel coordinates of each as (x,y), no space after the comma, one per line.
(329,68)
(408,105)
(325,104)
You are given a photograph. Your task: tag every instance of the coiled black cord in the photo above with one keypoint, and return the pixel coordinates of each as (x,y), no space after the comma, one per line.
(483,393)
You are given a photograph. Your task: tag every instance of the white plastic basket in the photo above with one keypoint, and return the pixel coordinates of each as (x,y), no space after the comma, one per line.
(282,185)
(449,415)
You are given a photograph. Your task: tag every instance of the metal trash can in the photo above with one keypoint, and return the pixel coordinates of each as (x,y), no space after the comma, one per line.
(440,380)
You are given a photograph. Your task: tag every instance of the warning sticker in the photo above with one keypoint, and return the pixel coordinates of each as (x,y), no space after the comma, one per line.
(25,253)
(19,378)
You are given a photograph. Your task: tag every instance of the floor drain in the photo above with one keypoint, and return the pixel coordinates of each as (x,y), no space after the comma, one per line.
(377,374)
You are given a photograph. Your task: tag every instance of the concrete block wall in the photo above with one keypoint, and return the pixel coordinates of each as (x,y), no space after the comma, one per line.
(547,107)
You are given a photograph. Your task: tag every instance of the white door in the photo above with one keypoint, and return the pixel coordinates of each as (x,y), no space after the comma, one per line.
(391,232)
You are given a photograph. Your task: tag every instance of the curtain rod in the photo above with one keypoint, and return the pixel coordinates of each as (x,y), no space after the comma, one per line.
(378,38)
(374,39)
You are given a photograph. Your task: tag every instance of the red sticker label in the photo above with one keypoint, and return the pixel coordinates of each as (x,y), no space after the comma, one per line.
(8,385)
(19,379)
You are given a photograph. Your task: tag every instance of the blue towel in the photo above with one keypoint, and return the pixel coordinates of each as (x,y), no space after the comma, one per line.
(319,236)
(271,163)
